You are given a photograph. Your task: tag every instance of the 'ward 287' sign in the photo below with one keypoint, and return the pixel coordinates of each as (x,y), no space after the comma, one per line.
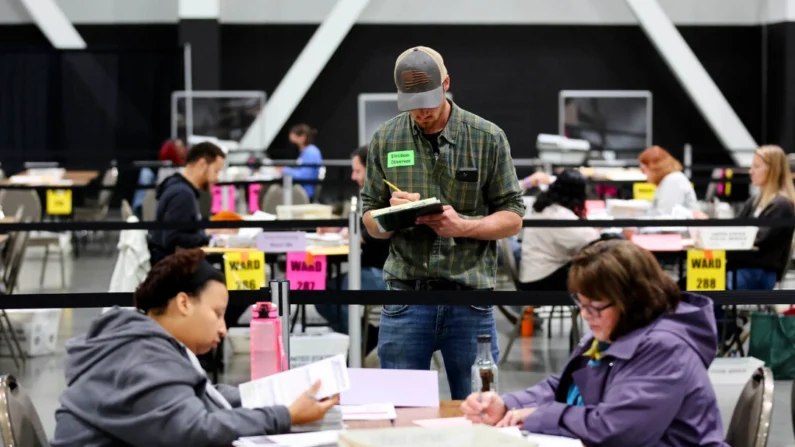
(305,271)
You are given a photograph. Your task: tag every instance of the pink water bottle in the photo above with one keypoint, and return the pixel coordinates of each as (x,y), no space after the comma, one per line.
(267,349)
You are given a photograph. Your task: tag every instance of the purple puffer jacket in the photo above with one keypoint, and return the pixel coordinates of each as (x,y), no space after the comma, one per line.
(650,389)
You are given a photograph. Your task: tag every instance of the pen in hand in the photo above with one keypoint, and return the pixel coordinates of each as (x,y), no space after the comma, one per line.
(392,186)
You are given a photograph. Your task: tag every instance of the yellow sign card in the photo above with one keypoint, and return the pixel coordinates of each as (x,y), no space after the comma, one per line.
(59,202)
(643,191)
(706,270)
(244,270)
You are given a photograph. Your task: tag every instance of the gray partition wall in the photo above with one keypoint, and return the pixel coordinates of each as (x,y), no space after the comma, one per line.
(376,109)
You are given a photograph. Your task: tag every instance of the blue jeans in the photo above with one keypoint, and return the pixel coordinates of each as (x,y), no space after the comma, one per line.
(337,315)
(409,335)
(751,279)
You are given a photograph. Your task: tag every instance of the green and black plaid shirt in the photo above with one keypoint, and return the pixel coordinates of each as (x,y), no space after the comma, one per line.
(401,154)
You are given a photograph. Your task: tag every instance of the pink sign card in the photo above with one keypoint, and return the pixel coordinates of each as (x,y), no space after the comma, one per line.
(306,272)
(253,197)
(658,242)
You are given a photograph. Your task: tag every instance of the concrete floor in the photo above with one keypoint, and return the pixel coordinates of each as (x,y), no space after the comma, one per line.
(529,361)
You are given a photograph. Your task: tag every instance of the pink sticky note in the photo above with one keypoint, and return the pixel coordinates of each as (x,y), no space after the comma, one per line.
(658,242)
(217,204)
(306,272)
(443,422)
(407,387)
(594,205)
(253,197)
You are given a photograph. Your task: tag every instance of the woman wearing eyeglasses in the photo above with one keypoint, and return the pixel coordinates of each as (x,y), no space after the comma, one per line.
(640,378)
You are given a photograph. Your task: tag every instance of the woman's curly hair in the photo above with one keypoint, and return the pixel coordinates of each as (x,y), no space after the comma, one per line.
(184,271)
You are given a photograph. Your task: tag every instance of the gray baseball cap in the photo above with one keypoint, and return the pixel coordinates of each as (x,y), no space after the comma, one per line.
(419,74)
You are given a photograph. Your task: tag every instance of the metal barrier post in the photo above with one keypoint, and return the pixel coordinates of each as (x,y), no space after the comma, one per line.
(354,283)
(280,295)
(688,159)
(287,190)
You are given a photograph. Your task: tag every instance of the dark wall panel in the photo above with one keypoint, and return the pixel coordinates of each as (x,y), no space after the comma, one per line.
(112,100)
(508,74)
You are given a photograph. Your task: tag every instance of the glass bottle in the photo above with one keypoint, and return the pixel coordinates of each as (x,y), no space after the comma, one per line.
(485,374)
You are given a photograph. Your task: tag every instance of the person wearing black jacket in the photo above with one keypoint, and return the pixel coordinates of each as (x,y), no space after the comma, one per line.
(761,268)
(178,201)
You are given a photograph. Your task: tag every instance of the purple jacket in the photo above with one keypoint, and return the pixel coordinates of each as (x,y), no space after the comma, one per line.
(650,389)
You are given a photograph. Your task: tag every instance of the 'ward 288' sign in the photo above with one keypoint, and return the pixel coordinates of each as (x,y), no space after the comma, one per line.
(706,270)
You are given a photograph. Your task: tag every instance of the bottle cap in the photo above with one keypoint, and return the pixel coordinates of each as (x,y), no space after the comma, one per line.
(484,338)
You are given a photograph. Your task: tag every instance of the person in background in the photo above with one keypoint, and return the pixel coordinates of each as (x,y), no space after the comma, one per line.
(178,201)
(303,136)
(464,161)
(374,255)
(546,252)
(761,268)
(536,180)
(134,378)
(173,151)
(640,378)
(673,186)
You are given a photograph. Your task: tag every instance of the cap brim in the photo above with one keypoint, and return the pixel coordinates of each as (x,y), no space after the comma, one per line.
(424,100)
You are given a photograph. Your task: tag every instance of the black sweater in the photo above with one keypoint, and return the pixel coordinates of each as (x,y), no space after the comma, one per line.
(774,244)
(177,201)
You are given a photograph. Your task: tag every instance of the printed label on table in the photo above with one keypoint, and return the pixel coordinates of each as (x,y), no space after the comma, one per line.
(244,270)
(306,272)
(400,158)
(281,241)
(643,191)
(253,197)
(59,202)
(706,270)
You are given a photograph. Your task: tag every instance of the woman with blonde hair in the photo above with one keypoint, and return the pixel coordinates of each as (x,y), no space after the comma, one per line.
(673,186)
(761,268)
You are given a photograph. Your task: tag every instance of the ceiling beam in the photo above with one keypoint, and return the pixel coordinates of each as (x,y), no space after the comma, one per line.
(302,74)
(54,24)
(709,100)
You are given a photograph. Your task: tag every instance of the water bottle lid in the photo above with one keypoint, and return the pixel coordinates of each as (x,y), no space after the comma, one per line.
(484,338)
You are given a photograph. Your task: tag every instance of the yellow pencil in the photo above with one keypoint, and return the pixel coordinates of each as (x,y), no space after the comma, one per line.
(392,186)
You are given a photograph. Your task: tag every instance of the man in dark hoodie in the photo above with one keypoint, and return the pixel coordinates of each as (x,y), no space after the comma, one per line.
(133,380)
(178,201)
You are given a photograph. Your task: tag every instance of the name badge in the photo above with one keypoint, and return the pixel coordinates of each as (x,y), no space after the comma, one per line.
(400,158)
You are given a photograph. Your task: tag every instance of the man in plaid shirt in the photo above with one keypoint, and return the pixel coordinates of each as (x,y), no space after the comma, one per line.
(436,149)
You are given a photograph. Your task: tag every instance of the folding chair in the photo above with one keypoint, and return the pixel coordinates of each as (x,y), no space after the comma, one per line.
(20,425)
(750,423)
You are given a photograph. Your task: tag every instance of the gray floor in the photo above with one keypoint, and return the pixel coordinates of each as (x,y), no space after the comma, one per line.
(529,361)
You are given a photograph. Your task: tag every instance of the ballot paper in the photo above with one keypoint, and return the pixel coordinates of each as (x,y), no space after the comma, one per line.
(370,412)
(285,387)
(315,439)
(443,422)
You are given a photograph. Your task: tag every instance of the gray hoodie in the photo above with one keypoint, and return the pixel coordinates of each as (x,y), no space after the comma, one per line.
(130,383)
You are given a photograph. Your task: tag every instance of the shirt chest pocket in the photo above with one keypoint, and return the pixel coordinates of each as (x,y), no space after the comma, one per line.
(463,189)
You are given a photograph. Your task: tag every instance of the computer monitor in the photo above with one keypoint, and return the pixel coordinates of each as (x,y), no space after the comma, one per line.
(611,120)
(225,115)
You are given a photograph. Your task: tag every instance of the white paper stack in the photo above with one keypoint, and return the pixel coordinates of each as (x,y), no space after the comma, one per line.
(331,421)
(285,387)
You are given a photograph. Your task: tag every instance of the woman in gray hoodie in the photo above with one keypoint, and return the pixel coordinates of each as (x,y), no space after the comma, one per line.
(134,379)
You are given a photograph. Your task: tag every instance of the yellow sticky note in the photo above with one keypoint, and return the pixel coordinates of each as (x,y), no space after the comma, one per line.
(643,191)
(706,270)
(59,202)
(244,271)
